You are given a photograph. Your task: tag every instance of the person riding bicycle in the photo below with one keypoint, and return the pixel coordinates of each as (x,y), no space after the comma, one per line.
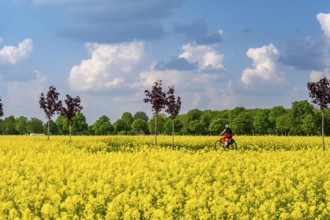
(227,132)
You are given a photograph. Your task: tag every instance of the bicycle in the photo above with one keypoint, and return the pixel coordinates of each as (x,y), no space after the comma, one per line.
(231,144)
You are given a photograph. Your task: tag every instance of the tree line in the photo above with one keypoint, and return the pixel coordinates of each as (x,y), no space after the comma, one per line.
(301,119)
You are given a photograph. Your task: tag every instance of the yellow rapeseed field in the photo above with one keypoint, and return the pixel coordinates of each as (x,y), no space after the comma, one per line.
(127,177)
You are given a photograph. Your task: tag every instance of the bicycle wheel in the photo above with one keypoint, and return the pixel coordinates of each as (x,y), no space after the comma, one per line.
(233,146)
(218,145)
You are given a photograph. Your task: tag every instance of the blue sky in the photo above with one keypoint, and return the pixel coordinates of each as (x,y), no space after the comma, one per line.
(218,54)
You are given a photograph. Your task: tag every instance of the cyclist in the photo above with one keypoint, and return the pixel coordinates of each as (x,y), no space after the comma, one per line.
(227,132)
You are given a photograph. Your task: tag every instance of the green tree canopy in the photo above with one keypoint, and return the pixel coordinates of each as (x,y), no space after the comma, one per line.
(119,126)
(161,119)
(62,125)
(35,125)
(79,124)
(261,123)
(217,125)
(283,124)
(141,115)
(206,118)
(139,125)
(168,126)
(195,127)
(300,110)
(242,123)
(128,119)
(52,127)
(308,125)
(103,126)
(274,113)
(20,124)
(8,126)
(194,114)
(236,112)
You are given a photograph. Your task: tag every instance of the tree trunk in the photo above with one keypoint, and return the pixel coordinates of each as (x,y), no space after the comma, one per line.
(70,129)
(48,129)
(323,130)
(172,133)
(156,130)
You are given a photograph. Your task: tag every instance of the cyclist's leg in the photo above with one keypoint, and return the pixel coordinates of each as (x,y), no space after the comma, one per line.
(226,137)
(223,139)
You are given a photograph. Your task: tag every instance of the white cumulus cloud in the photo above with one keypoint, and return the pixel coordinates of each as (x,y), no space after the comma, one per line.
(264,65)
(324,20)
(205,55)
(110,66)
(197,86)
(13,54)
(317,75)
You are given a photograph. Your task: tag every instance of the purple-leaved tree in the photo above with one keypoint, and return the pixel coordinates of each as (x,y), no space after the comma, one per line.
(157,99)
(1,108)
(173,106)
(72,108)
(320,94)
(50,104)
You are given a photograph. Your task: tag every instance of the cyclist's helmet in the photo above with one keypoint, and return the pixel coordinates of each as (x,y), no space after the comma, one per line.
(226,126)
